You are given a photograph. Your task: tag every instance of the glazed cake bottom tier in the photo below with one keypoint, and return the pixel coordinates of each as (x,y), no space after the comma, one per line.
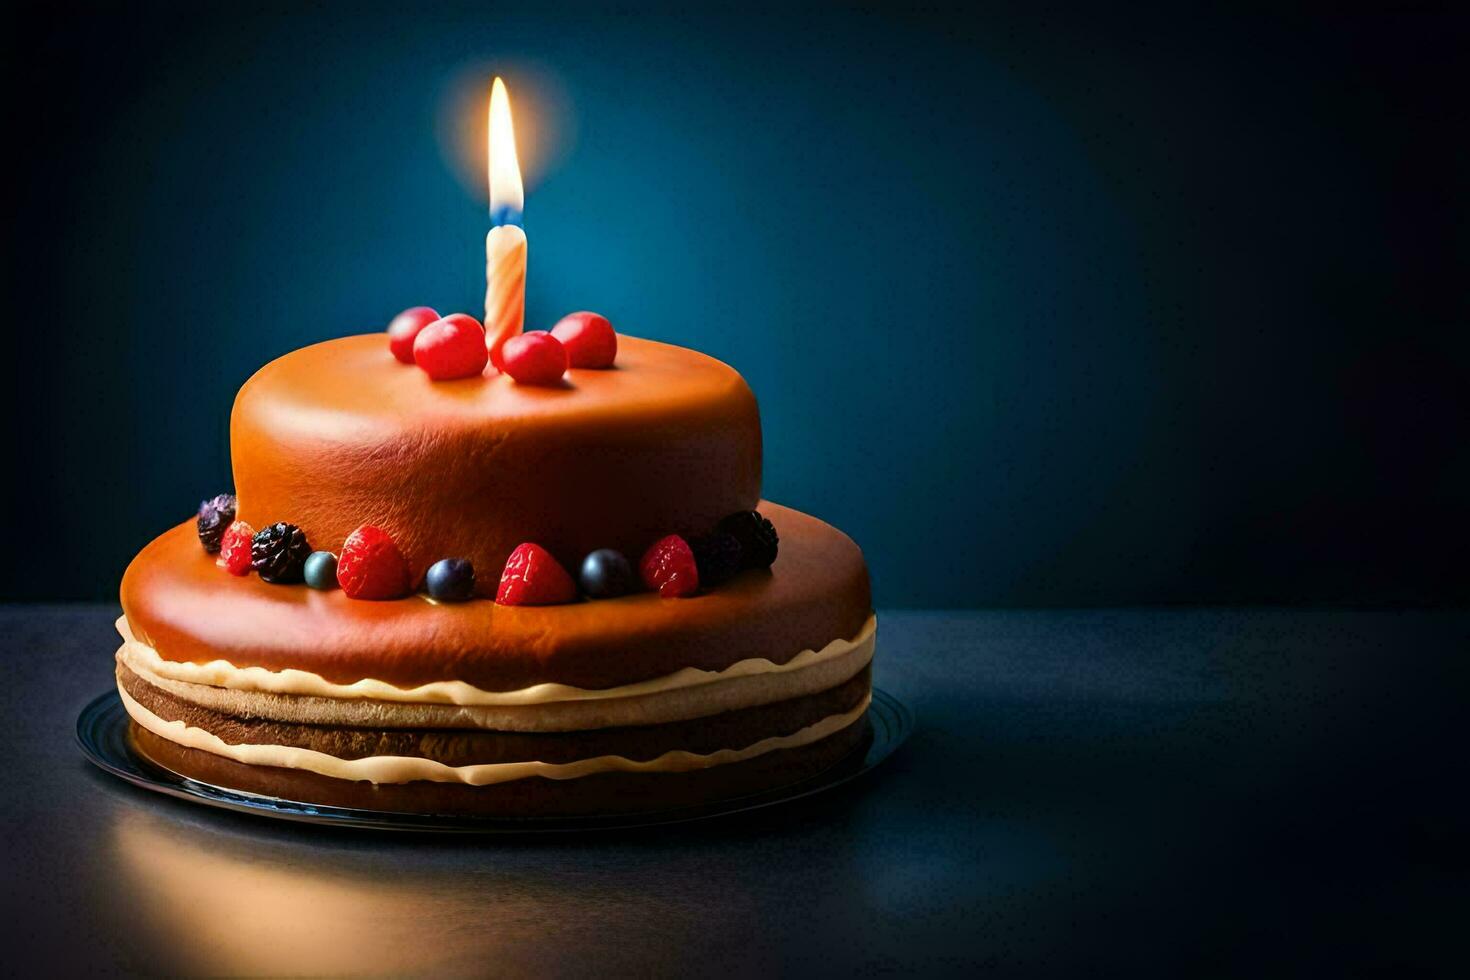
(608,771)
(485,771)
(598,707)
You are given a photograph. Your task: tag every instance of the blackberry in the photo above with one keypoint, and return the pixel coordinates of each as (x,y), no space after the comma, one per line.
(718,557)
(215,515)
(278,553)
(757,537)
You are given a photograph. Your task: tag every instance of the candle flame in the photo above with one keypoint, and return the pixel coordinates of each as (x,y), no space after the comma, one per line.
(507,196)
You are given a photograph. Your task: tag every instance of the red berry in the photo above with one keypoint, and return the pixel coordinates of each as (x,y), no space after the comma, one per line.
(371,566)
(533,578)
(535,358)
(234,548)
(451,347)
(669,567)
(405,327)
(589,339)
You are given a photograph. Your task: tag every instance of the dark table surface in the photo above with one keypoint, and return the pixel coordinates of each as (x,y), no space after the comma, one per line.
(1219,792)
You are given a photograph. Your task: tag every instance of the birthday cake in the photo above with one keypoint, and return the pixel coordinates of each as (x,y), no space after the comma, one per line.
(548,585)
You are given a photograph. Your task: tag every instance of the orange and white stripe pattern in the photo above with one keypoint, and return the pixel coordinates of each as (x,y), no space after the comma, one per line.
(505,287)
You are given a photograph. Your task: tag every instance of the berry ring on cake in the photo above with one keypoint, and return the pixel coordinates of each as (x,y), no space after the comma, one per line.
(550,587)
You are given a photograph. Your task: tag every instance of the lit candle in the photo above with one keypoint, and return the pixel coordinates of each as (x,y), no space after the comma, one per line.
(505,245)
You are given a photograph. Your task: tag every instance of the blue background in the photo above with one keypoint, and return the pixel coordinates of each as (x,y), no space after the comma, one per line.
(1041,309)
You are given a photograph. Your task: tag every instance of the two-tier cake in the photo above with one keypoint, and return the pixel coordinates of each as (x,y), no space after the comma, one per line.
(632,634)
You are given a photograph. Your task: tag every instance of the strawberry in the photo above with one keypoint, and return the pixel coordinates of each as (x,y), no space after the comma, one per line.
(234,548)
(371,566)
(669,567)
(533,578)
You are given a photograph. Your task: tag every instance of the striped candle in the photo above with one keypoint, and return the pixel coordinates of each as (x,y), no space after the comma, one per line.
(505,287)
(505,245)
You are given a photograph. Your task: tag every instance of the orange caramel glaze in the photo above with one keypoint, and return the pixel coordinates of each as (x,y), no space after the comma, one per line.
(340,434)
(188,609)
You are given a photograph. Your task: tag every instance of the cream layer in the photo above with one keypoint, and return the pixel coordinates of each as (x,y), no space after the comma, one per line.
(681,704)
(403,769)
(146,662)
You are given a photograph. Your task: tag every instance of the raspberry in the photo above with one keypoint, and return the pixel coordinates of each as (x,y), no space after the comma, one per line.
(215,515)
(757,537)
(669,567)
(533,578)
(718,557)
(279,552)
(371,566)
(234,548)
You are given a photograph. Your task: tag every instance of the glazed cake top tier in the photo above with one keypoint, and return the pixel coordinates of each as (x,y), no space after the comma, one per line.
(340,434)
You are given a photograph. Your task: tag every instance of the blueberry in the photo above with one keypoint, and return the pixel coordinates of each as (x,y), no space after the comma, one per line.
(605,574)
(451,580)
(321,570)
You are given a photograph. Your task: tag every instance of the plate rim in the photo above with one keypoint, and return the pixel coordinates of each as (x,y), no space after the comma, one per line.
(890,723)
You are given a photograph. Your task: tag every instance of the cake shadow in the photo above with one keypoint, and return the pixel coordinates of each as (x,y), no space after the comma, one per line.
(223,893)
